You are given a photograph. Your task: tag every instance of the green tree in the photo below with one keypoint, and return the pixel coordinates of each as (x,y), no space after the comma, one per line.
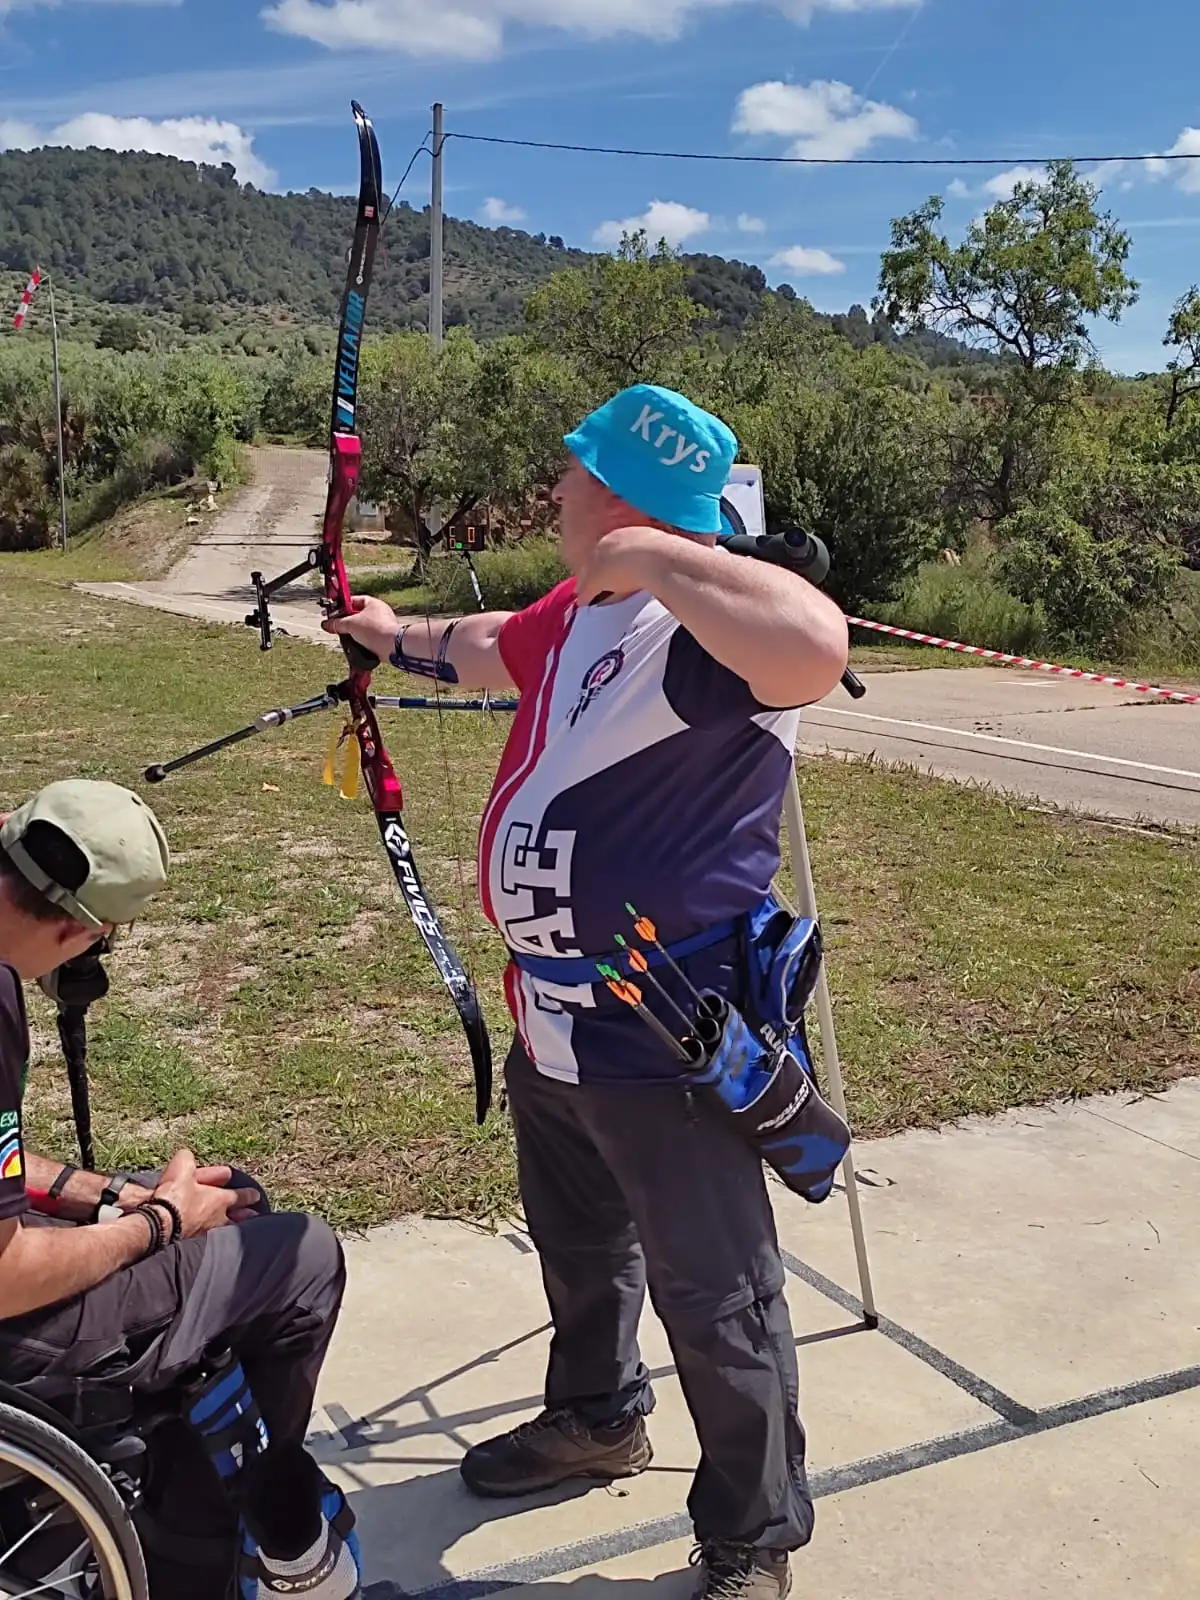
(502,440)
(1024,283)
(121,332)
(1183,369)
(849,449)
(621,319)
(405,390)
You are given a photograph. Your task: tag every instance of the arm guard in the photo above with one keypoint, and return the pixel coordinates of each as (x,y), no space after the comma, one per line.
(425,666)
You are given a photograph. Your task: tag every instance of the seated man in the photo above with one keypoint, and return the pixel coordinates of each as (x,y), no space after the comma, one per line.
(184,1263)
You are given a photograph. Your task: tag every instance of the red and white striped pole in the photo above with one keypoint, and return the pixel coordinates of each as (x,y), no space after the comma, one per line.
(31,288)
(22,311)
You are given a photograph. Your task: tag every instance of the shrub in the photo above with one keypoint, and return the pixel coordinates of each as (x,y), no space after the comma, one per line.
(511,576)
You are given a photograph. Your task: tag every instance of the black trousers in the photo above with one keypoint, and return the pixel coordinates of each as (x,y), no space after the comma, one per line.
(629,1187)
(270,1289)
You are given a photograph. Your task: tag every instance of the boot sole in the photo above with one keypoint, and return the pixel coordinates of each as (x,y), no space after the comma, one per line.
(511,1491)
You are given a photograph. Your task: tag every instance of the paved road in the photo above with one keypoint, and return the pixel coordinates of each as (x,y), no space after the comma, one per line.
(1103,750)
(1106,751)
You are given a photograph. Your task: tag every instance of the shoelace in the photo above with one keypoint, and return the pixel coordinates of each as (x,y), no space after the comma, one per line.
(729,1567)
(544,1421)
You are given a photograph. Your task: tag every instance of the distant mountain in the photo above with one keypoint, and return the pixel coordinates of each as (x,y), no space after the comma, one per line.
(190,243)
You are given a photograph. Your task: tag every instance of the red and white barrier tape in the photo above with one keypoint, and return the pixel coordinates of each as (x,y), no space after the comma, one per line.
(1024,661)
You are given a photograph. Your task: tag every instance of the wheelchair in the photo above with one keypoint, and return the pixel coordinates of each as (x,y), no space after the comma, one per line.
(67,1496)
(77,1475)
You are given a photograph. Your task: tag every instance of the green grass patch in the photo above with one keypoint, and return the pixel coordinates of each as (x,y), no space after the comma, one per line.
(276,1007)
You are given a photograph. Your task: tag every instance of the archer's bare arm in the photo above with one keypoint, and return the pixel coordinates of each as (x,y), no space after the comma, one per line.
(473,651)
(41,1266)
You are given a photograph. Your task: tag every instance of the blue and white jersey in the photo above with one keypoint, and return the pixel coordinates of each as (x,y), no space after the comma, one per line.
(638,769)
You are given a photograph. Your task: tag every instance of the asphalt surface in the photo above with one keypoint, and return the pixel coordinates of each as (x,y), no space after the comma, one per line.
(1106,751)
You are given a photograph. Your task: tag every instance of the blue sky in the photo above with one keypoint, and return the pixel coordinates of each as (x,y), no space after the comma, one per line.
(267,85)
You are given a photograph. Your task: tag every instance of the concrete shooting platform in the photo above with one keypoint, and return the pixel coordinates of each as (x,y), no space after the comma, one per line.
(1025,1421)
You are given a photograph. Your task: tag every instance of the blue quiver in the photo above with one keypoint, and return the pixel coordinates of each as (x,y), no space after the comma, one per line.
(782,960)
(769,1093)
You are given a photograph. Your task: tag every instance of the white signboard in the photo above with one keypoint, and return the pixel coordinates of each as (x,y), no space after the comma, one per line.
(742,505)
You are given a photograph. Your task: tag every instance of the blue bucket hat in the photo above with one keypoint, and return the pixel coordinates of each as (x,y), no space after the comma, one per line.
(660,453)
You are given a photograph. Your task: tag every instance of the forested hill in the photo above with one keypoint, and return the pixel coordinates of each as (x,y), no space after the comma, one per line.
(193,244)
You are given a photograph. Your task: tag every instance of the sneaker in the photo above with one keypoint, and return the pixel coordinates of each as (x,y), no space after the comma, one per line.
(550,1449)
(741,1571)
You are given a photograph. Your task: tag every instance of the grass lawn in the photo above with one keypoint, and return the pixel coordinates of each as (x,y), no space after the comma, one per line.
(276,1007)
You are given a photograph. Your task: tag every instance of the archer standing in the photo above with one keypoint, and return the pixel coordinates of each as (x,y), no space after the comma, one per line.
(647,762)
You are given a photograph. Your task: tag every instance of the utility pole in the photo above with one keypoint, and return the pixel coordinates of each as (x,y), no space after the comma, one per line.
(62,481)
(436,317)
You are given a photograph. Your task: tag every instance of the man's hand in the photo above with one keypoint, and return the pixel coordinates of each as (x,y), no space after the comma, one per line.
(623,562)
(203,1205)
(136,1194)
(371,622)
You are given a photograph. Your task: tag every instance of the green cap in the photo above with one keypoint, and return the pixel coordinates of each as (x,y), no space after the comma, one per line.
(118,836)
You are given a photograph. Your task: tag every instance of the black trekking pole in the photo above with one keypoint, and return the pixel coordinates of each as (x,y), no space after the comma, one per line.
(73,987)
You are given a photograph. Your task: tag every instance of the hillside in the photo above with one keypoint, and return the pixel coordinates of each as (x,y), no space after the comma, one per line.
(204,254)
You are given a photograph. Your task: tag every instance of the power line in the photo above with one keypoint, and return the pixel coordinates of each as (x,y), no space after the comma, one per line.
(816,161)
(412,163)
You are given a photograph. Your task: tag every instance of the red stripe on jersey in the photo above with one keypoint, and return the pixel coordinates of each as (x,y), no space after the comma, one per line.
(526,742)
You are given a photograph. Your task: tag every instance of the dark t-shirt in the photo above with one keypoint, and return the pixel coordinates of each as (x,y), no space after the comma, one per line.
(14,1064)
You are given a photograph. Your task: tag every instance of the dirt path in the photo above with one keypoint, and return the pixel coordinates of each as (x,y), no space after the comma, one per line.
(268,529)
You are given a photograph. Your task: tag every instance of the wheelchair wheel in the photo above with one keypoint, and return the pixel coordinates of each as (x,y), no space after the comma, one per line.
(64,1529)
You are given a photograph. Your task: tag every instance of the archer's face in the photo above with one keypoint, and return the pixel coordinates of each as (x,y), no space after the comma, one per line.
(582,506)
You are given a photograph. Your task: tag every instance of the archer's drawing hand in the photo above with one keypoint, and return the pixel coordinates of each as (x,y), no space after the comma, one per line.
(370,622)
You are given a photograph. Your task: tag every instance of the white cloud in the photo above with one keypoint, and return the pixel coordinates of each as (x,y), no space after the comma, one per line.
(822,118)
(805,262)
(200,139)
(956,189)
(1002,185)
(1187,144)
(500,214)
(749,224)
(662,219)
(475,30)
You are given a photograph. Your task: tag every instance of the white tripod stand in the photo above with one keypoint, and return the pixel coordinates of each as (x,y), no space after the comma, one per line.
(807,907)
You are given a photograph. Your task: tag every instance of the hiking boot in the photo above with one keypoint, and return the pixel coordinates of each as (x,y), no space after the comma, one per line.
(550,1449)
(741,1572)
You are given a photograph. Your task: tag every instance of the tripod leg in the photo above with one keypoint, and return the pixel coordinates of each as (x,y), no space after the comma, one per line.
(807,897)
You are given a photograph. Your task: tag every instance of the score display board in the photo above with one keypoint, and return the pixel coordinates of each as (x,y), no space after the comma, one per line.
(742,507)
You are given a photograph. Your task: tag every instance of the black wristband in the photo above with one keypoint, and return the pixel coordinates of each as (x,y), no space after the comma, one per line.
(157,1231)
(175,1215)
(61,1182)
(112,1192)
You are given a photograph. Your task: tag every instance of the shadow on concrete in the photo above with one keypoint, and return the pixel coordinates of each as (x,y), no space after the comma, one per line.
(409,1525)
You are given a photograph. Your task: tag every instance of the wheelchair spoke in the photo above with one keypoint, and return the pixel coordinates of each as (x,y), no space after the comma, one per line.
(51,1586)
(8,1554)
